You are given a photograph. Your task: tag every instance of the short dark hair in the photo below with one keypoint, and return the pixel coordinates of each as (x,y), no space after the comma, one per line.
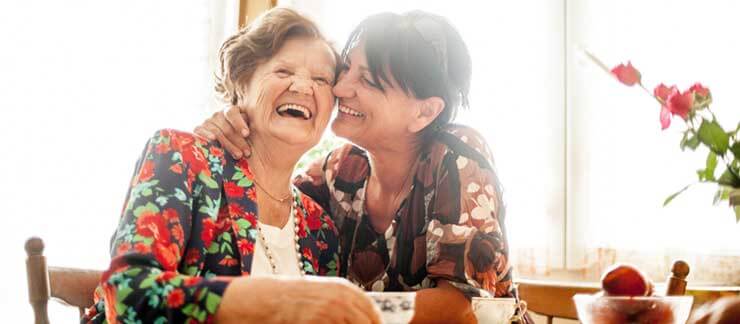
(255,44)
(424,53)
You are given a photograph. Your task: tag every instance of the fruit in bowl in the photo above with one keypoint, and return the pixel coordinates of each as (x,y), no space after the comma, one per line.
(627,297)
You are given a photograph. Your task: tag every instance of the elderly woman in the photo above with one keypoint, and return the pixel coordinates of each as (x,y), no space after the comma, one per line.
(416,199)
(198,226)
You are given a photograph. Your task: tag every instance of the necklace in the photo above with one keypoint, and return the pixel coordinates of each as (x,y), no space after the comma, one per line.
(296,228)
(280,200)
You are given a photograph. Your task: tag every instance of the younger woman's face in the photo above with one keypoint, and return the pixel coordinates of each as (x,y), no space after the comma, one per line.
(368,116)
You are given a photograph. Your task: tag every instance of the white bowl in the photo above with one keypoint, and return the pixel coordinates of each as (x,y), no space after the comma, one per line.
(638,310)
(395,307)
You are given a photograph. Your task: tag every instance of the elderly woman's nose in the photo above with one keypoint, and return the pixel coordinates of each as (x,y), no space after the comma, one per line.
(301,85)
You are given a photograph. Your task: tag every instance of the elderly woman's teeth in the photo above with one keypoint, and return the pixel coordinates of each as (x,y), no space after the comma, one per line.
(294,110)
(350,111)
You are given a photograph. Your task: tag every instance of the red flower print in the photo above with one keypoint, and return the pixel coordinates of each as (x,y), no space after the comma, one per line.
(167,255)
(142,248)
(176,298)
(191,281)
(307,253)
(228,262)
(171,215)
(245,247)
(252,193)
(330,223)
(232,190)
(322,245)
(207,234)
(176,168)
(314,223)
(235,209)
(166,276)
(123,248)
(152,225)
(177,233)
(251,218)
(147,171)
(243,166)
(627,74)
(217,152)
(162,148)
(192,256)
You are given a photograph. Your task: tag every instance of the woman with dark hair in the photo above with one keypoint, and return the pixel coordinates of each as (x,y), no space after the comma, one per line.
(415,198)
(202,234)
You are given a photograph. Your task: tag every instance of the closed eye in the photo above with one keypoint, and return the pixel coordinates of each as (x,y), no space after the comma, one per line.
(322,80)
(283,73)
(371,83)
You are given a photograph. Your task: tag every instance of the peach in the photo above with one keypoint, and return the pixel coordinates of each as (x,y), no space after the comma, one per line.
(625,280)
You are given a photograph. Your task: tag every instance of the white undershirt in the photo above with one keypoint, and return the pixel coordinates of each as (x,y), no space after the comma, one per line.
(282,246)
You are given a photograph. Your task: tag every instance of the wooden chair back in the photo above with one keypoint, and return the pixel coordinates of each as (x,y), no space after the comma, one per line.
(73,287)
(551,298)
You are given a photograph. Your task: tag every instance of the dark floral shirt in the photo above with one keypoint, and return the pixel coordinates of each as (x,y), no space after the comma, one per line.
(450,226)
(187,228)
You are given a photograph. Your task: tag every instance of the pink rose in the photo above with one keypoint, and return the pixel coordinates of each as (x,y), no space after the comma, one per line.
(628,75)
(680,103)
(662,92)
(699,89)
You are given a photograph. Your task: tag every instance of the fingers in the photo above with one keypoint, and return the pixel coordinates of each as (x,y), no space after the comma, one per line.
(218,125)
(200,130)
(238,121)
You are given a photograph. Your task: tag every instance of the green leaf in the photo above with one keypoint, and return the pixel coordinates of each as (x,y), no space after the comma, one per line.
(729,179)
(208,181)
(244,182)
(693,142)
(149,207)
(668,200)
(180,195)
(722,194)
(736,150)
(713,136)
(243,223)
(148,282)
(708,173)
(188,309)
(212,302)
(213,248)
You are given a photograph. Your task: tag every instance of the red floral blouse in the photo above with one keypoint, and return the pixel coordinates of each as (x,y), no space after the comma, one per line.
(450,226)
(187,228)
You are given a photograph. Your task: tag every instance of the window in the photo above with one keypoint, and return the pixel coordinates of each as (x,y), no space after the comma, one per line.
(83,84)
(583,162)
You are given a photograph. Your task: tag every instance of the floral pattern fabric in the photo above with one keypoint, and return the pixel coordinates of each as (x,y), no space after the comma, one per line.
(187,228)
(450,226)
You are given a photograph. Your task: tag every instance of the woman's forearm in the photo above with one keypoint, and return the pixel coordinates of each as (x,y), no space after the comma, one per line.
(443,304)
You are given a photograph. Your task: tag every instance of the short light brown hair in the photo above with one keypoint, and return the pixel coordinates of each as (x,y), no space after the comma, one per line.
(242,53)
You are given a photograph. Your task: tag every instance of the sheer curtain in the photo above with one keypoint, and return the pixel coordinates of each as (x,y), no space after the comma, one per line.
(622,166)
(517,103)
(83,84)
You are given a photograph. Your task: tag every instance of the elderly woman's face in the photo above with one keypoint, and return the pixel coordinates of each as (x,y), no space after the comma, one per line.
(289,97)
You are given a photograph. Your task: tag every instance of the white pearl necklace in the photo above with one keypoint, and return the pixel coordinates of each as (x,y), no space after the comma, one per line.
(296,228)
